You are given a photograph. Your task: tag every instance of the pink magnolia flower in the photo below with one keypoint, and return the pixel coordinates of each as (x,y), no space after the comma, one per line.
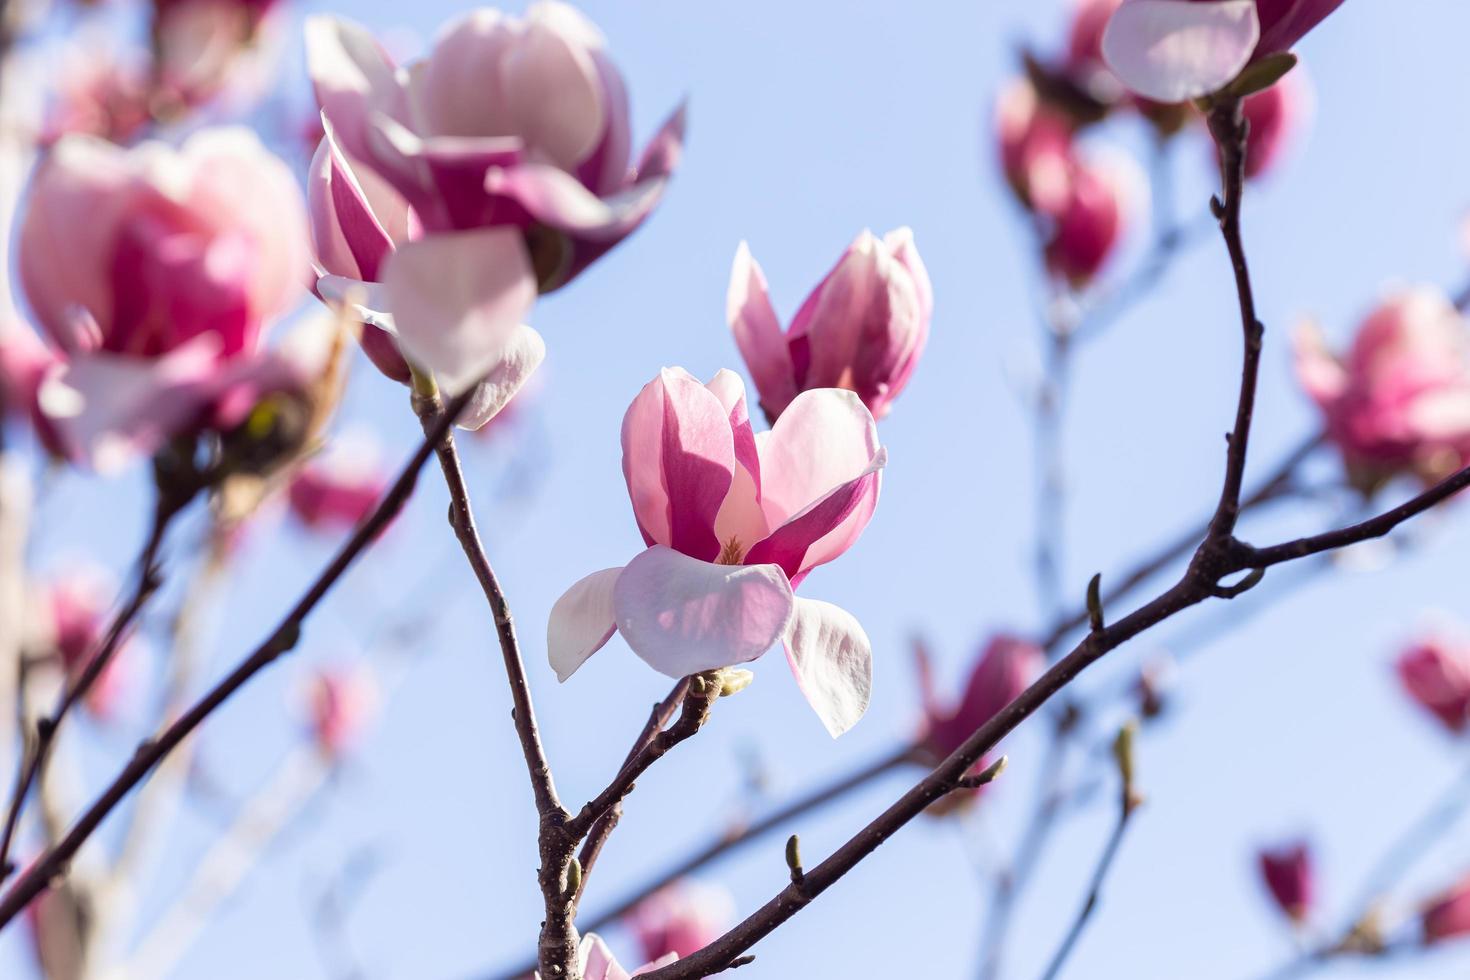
(76,606)
(1085,34)
(341,702)
(1276,115)
(1174,50)
(596,961)
(1400,401)
(155,272)
(359,223)
(99,93)
(1035,143)
(208,50)
(681,918)
(511,141)
(1448,914)
(1088,222)
(1287,873)
(1436,674)
(340,487)
(733,523)
(862,329)
(1006,666)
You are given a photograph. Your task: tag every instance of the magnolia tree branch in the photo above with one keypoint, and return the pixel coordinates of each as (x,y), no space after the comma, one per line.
(1218,556)
(55,861)
(171,500)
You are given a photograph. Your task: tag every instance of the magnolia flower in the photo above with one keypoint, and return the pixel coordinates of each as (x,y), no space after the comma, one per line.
(1174,50)
(1088,221)
(340,487)
(100,93)
(340,703)
(1448,914)
(1035,144)
(206,50)
(1275,114)
(358,223)
(596,962)
(1287,873)
(1005,667)
(681,918)
(155,272)
(1400,401)
(733,523)
(511,142)
(75,606)
(862,329)
(1436,674)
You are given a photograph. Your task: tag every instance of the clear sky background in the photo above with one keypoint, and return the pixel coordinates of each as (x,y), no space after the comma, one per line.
(809,122)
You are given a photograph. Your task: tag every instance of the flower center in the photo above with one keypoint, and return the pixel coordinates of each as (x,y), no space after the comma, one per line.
(731,553)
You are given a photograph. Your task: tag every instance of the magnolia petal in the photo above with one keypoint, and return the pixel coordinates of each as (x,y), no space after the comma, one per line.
(1320,374)
(456,298)
(758,333)
(553,89)
(1174,50)
(523,354)
(823,439)
(833,662)
(353,78)
(559,200)
(827,528)
(683,615)
(581,622)
(662,154)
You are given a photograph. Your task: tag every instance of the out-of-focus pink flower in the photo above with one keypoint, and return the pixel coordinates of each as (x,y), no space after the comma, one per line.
(1173,50)
(1035,147)
(1400,402)
(511,141)
(339,488)
(733,524)
(1287,873)
(1084,61)
(1006,666)
(76,604)
(681,918)
(25,363)
(155,271)
(211,50)
(1448,914)
(597,962)
(359,226)
(100,94)
(341,702)
(1088,224)
(862,329)
(1275,115)
(1436,673)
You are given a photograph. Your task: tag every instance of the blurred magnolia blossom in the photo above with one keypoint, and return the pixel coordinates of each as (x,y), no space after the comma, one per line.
(681,918)
(1435,672)
(1035,142)
(208,51)
(1005,667)
(1400,400)
(1288,876)
(341,701)
(734,522)
(1276,115)
(1175,50)
(99,92)
(1102,197)
(73,609)
(511,145)
(339,487)
(862,328)
(155,271)
(596,962)
(1084,59)
(1447,915)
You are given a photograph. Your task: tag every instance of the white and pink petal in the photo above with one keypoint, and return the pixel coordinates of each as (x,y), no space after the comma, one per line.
(581,622)
(1175,50)
(833,662)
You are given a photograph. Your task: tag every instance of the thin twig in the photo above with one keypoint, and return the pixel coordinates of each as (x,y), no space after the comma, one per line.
(55,860)
(43,735)
(1094,892)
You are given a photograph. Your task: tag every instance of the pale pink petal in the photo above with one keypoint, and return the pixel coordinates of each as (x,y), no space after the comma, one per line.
(581,622)
(827,528)
(553,88)
(823,439)
(353,78)
(523,354)
(662,154)
(456,298)
(1320,374)
(1174,50)
(758,334)
(597,960)
(679,462)
(833,662)
(459,90)
(683,615)
(559,200)
(740,518)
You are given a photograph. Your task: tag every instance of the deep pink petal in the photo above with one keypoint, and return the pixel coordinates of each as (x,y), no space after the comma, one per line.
(825,438)
(826,529)
(683,615)
(758,334)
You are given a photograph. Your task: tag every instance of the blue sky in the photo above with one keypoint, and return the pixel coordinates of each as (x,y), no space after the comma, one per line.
(809,122)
